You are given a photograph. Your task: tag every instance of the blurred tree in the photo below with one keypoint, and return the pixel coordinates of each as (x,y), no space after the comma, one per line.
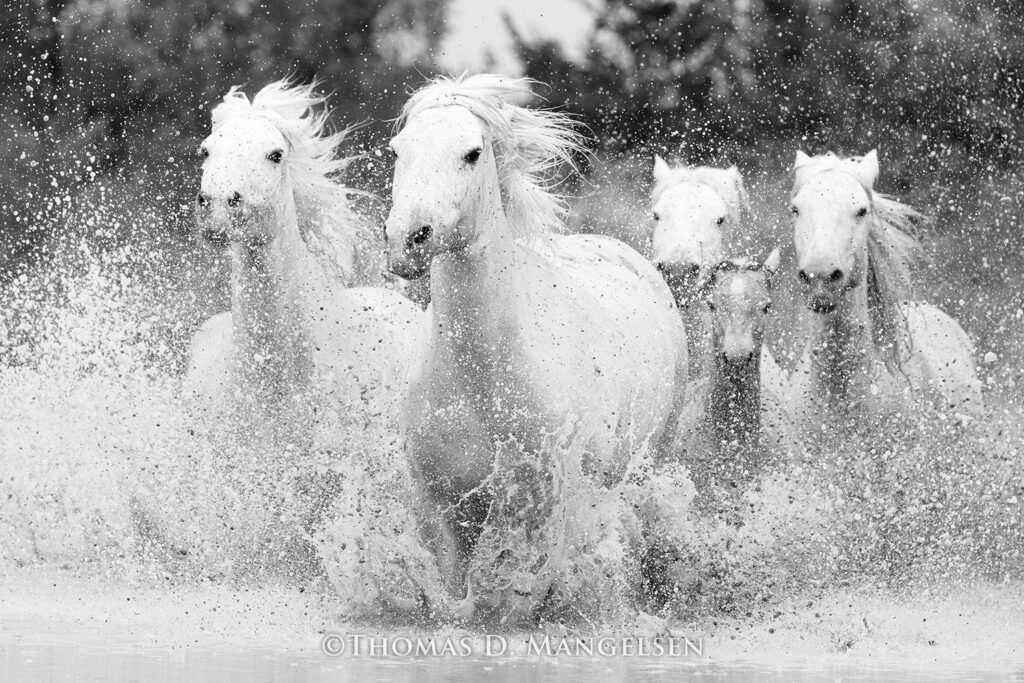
(120,86)
(937,80)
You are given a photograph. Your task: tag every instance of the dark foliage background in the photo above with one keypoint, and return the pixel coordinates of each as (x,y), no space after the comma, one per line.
(111,97)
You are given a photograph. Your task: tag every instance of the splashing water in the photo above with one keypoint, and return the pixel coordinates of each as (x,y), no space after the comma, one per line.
(104,471)
(105,475)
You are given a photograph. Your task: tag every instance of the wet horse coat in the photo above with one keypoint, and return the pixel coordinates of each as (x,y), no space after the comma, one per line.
(297,344)
(870,343)
(532,339)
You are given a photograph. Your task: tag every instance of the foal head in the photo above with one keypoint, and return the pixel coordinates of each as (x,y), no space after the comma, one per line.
(694,210)
(739,296)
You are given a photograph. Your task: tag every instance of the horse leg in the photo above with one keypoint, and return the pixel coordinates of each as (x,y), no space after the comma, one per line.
(440,536)
(517,548)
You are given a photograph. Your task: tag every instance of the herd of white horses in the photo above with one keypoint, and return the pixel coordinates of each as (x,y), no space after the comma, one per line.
(534,336)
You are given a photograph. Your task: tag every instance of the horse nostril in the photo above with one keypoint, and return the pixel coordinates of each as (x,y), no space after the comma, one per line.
(421,235)
(803,275)
(836,275)
(202,199)
(234,200)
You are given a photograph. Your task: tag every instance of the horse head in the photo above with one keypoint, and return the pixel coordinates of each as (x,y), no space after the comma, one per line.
(463,146)
(694,211)
(738,292)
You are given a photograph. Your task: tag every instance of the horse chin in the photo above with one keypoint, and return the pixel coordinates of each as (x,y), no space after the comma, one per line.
(822,305)
(409,269)
(215,238)
(737,360)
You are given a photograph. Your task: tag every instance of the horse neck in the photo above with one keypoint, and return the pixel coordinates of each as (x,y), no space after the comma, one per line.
(734,398)
(842,349)
(270,329)
(698,330)
(475,293)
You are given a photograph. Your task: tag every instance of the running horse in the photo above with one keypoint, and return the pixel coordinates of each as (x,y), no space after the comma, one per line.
(871,342)
(298,343)
(532,338)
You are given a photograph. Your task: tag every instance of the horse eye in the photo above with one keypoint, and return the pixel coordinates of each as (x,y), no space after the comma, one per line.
(472,156)
(203,152)
(721,219)
(767,307)
(862,211)
(392,152)
(796,211)
(656,216)
(711,306)
(276,156)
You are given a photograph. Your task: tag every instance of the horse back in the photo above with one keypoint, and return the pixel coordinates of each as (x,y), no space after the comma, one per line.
(942,358)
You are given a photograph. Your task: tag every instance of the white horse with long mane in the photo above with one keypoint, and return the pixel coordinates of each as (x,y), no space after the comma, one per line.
(297,343)
(870,343)
(697,211)
(529,332)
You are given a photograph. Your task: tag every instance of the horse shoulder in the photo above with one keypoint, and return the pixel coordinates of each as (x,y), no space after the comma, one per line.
(363,339)
(942,355)
(209,361)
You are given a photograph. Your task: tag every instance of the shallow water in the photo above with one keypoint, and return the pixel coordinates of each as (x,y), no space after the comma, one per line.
(55,626)
(133,547)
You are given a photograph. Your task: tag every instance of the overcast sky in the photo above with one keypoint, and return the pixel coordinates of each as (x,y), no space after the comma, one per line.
(477,37)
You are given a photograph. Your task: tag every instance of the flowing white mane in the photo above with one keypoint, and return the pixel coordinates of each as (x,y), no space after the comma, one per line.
(530,146)
(322,211)
(722,180)
(893,253)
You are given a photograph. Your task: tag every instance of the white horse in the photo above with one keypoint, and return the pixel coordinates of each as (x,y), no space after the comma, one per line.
(698,217)
(870,344)
(528,332)
(297,342)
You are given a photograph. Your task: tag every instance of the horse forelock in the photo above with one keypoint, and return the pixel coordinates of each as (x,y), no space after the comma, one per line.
(717,179)
(530,146)
(324,217)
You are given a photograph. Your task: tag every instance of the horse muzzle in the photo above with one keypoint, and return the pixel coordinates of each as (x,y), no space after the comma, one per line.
(824,292)
(822,298)
(408,265)
(222,223)
(214,237)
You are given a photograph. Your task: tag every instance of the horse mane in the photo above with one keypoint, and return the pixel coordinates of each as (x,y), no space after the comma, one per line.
(893,253)
(721,180)
(531,146)
(326,221)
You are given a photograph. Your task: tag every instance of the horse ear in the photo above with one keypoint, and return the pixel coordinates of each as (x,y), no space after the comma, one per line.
(771,263)
(801,158)
(741,189)
(867,168)
(661,169)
